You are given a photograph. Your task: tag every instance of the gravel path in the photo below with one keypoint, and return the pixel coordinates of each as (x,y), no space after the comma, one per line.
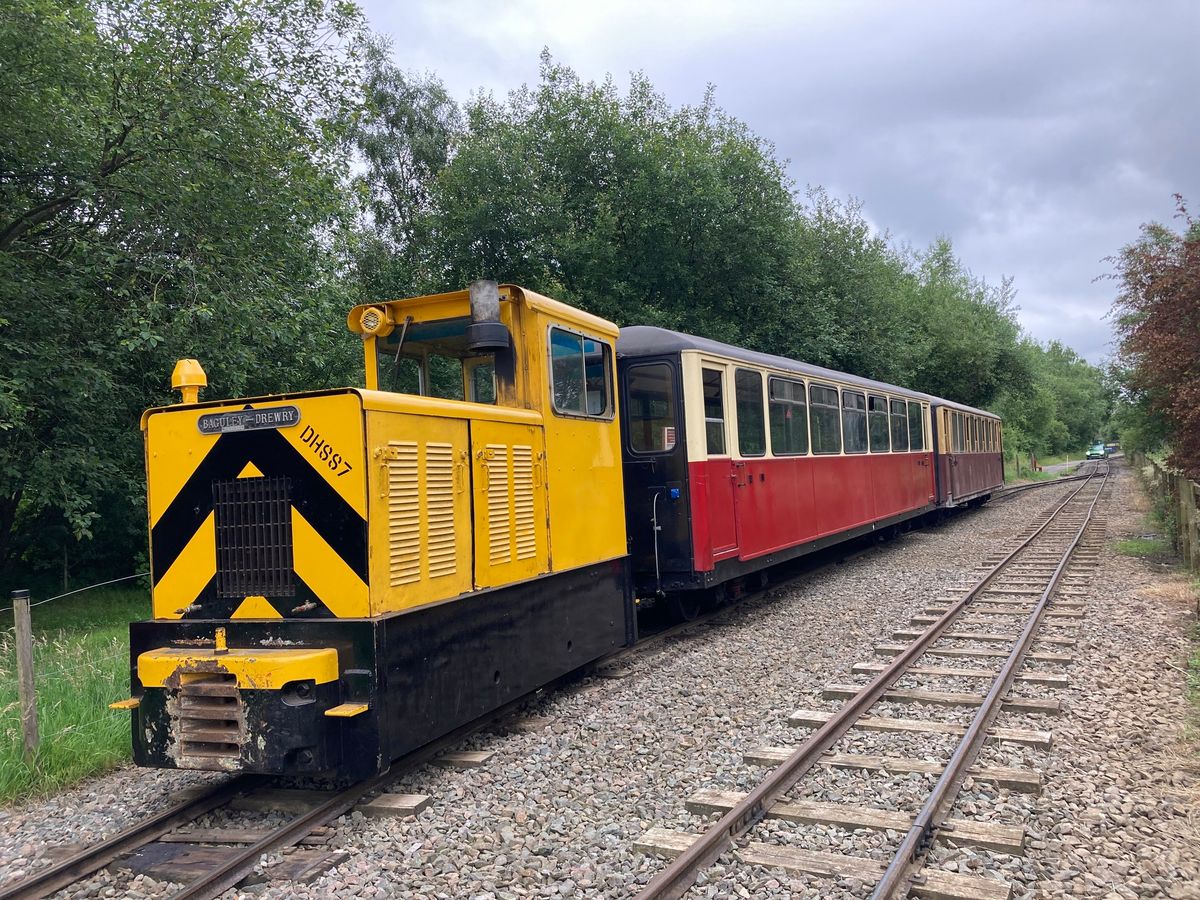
(556,811)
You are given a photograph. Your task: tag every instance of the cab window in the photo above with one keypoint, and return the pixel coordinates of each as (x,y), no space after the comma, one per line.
(580,369)
(428,358)
(650,400)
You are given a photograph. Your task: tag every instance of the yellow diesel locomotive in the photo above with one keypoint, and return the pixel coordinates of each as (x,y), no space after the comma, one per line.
(341,576)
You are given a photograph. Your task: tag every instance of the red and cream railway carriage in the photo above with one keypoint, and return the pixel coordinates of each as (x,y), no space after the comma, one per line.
(736,460)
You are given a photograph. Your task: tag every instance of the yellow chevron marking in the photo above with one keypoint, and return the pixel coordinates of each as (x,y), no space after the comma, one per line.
(319,566)
(251,471)
(181,584)
(255,607)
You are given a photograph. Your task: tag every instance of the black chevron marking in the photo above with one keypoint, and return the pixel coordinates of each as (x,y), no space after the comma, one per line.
(209,606)
(338,524)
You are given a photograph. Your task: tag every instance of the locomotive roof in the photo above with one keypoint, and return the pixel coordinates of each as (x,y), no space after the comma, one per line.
(649,340)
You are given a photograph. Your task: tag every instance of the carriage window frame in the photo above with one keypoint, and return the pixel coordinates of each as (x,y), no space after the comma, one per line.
(823,407)
(898,420)
(872,415)
(850,416)
(916,439)
(672,407)
(788,405)
(606,353)
(754,407)
(710,421)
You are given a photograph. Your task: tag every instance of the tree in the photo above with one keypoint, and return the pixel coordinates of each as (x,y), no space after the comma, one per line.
(620,204)
(1157,313)
(405,137)
(171,175)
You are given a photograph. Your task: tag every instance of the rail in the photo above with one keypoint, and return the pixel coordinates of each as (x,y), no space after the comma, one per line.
(681,873)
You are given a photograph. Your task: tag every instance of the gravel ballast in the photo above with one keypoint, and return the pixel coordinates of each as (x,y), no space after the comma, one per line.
(556,811)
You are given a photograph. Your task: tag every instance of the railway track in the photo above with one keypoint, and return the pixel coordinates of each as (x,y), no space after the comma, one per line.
(1019,612)
(237,859)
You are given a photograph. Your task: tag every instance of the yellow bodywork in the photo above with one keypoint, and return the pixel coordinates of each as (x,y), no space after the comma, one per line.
(450,496)
(259,669)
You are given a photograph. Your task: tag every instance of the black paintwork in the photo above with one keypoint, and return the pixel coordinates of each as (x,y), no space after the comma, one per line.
(424,672)
(650,475)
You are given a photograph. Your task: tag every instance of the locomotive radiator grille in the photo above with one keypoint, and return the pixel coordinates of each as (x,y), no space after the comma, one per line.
(404,513)
(253,518)
(208,718)
(498,515)
(439,495)
(526,533)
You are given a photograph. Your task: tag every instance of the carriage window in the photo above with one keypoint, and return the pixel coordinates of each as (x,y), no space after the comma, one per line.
(877,418)
(974,435)
(916,426)
(752,435)
(789,417)
(826,421)
(854,421)
(579,374)
(714,412)
(957,444)
(650,398)
(899,426)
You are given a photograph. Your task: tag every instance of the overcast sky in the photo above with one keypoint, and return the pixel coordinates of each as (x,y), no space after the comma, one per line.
(1036,136)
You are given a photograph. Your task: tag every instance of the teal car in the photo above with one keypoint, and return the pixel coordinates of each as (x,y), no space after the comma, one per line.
(1097,451)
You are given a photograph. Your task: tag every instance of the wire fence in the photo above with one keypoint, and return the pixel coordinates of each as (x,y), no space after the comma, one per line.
(89,587)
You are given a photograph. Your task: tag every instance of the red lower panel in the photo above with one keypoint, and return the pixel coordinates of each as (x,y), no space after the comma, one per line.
(750,507)
(974,473)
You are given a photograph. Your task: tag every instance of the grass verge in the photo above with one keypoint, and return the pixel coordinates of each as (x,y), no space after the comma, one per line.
(1144,547)
(81,664)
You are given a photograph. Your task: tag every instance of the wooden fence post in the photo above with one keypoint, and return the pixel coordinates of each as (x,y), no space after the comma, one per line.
(26,694)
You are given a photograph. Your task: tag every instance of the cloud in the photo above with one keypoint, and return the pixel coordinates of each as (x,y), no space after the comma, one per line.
(1036,136)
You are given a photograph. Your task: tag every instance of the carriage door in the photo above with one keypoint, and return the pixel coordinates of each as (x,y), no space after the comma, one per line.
(718,468)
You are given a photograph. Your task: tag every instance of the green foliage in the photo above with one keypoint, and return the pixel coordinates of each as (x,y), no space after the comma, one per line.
(81,664)
(170,176)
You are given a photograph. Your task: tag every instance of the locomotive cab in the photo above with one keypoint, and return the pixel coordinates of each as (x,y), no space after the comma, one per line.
(340,577)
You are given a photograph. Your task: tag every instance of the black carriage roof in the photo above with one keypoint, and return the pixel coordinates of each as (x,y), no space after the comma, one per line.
(648,340)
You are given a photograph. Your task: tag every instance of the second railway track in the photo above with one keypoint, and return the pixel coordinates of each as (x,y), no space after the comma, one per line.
(1011,629)
(238,858)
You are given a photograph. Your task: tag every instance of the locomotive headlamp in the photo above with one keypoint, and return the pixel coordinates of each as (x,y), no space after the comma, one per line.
(188,378)
(375,320)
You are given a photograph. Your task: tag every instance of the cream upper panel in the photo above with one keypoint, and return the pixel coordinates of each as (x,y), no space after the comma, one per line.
(697,423)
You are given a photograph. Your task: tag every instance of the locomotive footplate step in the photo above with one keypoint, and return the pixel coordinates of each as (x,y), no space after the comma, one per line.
(1020,780)
(1004,838)
(934,886)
